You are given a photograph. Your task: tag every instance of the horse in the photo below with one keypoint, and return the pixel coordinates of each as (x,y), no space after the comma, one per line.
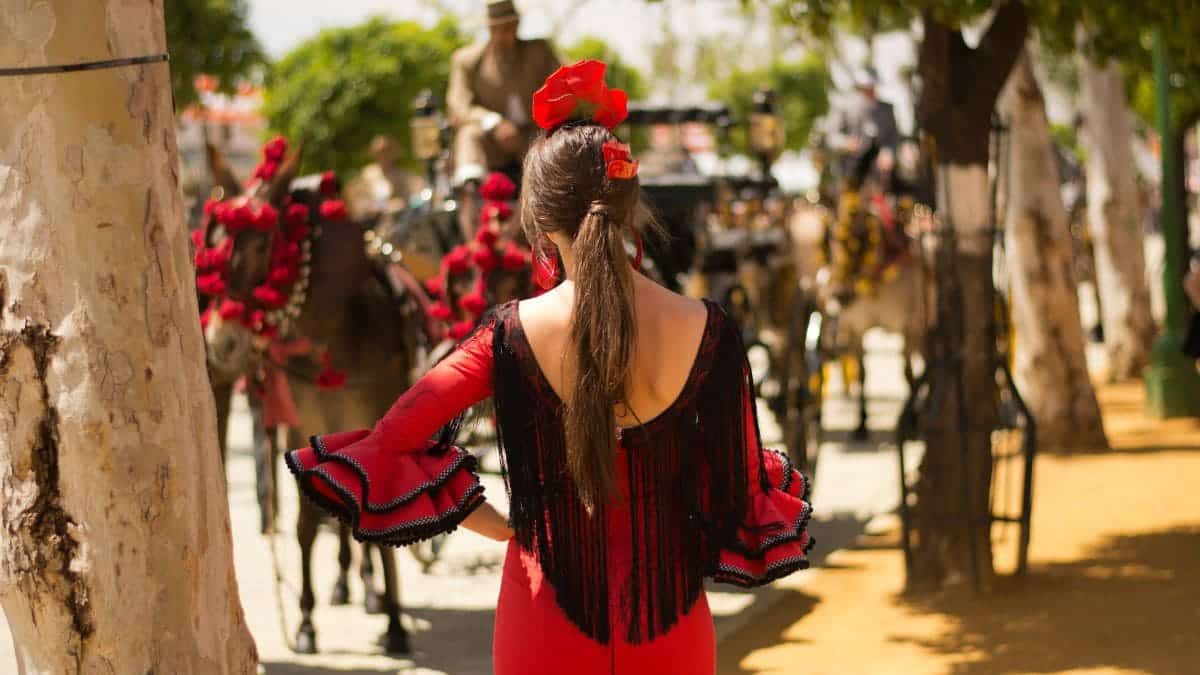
(862,277)
(359,330)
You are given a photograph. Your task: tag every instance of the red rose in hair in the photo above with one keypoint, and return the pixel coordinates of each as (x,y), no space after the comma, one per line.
(433,285)
(460,330)
(210,284)
(333,210)
(266,219)
(270,296)
(578,92)
(275,149)
(297,214)
(498,187)
(329,184)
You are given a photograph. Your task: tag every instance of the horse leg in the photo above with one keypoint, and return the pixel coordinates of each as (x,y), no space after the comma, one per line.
(341,587)
(861,433)
(373,602)
(395,640)
(306,533)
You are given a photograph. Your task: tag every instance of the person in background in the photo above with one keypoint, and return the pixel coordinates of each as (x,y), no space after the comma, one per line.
(864,120)
(491,85)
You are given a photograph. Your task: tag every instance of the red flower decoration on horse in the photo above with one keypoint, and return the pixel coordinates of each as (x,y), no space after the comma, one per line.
(578,92)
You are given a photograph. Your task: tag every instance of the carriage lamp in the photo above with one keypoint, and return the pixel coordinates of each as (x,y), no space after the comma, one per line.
(426,128)
(766,128)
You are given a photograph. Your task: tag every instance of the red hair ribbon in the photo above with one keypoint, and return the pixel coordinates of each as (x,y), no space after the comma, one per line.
(578,92)
(618,160)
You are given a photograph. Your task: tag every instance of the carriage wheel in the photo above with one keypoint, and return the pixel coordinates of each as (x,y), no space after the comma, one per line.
(428,551)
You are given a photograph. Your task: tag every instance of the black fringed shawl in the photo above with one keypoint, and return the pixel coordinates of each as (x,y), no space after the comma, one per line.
(687,483)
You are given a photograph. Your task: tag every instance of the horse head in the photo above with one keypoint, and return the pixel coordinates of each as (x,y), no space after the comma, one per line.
(254,252)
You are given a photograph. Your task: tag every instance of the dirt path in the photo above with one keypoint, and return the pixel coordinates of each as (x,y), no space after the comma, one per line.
(1113,589)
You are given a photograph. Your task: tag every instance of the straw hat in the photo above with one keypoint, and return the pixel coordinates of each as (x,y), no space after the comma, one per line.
(501,11)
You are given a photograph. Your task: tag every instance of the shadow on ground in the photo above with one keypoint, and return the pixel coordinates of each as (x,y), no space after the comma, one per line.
(1133,604)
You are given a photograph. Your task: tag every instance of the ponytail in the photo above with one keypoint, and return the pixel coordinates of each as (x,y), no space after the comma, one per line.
(603,332)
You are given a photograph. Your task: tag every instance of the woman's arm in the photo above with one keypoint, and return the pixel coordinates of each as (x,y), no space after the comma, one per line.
(486,520)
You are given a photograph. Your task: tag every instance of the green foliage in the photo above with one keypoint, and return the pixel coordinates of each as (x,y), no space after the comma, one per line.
(620,75)
(802,94)
(1066,137)
(209,37)
(337,90)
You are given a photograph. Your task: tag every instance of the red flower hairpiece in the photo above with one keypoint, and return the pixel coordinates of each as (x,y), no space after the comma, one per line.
(578,92)
(618,160)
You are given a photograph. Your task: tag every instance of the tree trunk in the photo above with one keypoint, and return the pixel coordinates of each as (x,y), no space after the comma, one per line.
(1051,367)
(952,518)
(116,554)
(1115,222)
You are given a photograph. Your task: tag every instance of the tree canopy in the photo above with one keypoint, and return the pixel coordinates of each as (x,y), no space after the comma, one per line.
(337,90)
(802,96)
(620,74)
(209,37)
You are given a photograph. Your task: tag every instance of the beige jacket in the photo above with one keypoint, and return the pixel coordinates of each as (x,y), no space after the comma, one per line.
(481,83)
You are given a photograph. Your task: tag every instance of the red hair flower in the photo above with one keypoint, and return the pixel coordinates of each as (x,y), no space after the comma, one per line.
(578,92)
(618,160)
(498,187)
(333,210)
(329,184)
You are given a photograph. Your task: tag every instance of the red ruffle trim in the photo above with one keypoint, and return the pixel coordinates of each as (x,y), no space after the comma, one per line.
(775,541)
(386,495)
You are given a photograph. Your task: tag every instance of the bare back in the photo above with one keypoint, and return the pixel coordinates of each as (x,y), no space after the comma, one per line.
(670,328)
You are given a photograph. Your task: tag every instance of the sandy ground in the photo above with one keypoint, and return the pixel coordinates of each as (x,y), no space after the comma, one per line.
(1113,587)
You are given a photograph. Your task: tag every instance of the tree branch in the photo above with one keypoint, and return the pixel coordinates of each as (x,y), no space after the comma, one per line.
(999,48)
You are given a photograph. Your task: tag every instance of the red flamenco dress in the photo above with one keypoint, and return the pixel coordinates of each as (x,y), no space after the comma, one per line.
(617,590)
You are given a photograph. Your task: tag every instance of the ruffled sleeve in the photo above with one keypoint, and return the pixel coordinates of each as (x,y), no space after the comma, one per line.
(395,484)
(773,540)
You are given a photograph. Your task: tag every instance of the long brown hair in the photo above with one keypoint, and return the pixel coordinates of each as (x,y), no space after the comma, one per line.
(566,189)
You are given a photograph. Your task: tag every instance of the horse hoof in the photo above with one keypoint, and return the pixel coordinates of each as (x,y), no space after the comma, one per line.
(341,594)
(860,435)
(395,642)
(373,603)
(306,640)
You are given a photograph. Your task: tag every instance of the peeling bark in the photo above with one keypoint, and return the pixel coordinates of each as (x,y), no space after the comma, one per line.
(1114,220)
(1051,367)
(115,550)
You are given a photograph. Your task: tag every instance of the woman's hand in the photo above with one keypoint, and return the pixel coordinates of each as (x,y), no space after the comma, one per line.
(486,520)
